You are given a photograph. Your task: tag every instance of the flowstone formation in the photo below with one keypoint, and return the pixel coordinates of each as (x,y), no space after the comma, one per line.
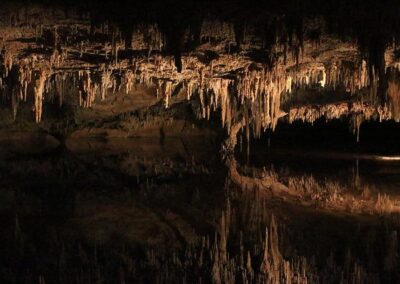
(54,56)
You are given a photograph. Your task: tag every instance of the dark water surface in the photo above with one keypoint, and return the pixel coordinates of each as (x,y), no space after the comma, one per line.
(137,211)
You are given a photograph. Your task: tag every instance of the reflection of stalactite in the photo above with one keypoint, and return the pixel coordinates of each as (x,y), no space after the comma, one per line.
(272,261)
(14,103)
(273,267)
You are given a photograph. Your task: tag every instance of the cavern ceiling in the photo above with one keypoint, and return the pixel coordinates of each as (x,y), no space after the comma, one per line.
(253,66)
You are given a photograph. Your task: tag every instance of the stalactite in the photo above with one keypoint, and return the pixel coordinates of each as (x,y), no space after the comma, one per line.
(190,88)
(60,86)
(322,82)
(39,90)
(129,78)
(394,97)
(220,89)
(261,88)
(24,78)
(107,82)
(289,83)
(8,61)
(148,37)
(202,104)
(217,30)
(335,111)
(357,120)
(228,83)
(353,77)
(373,90)
(167,92)
(88,89)
(56,59)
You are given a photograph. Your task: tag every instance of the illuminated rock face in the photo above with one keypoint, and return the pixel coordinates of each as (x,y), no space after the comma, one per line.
(97,60)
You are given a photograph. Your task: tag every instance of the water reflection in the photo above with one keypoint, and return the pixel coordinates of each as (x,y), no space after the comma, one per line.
(141,211)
